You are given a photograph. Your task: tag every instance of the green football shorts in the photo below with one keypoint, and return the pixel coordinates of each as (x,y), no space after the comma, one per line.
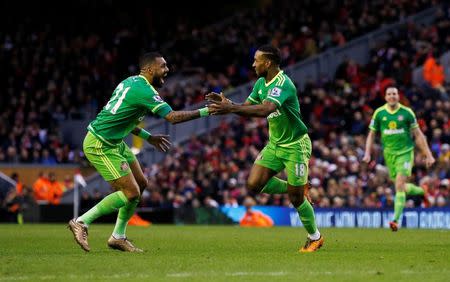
(294,158)
(112,162)
(399,164)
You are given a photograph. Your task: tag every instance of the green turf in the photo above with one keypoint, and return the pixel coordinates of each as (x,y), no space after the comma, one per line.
(201,253)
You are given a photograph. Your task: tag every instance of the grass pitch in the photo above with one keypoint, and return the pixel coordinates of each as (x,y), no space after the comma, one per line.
(224,253)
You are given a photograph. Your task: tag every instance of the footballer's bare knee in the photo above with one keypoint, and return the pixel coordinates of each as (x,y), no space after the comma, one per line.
(296,195)
(258,178)
(139,175)
(254,185)
(127,184)
(143,183)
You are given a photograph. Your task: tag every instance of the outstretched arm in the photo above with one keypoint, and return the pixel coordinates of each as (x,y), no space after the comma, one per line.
(369,143)
(246,109)
(421,142)
(222,105)
(181,116)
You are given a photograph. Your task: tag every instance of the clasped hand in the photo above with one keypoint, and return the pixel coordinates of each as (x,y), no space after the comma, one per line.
(219,104)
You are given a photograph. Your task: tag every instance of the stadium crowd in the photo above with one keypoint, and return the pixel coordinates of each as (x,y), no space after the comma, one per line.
(49,74)
(50,77)
(211,170)
(338,112)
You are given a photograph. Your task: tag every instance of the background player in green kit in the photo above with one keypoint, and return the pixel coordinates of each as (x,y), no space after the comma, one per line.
(133,99)
(396,122)
(274,96)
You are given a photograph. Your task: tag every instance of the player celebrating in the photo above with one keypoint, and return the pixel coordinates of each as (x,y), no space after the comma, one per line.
(396,122)
(274,96)
(131,101)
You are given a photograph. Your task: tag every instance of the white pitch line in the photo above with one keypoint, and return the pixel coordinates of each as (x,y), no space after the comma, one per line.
(234,274)
(280,273)
(120,276)
(181,274)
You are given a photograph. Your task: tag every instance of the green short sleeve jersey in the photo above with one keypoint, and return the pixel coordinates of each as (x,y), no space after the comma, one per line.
(285,124)
(395,127)
(130,102)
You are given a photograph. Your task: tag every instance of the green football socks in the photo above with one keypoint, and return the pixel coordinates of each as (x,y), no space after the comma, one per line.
(275,186)
(109,204)
(125,213)
(400,199)
(414,190)
(306,213)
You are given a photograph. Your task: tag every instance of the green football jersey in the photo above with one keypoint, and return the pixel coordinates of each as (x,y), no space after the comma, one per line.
(285,124)
(395,127)
(130,102)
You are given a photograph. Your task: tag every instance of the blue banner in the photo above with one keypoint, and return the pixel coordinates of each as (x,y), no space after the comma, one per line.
(431,218)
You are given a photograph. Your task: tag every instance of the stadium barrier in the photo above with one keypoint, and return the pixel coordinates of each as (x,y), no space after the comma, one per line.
(44,213)
(29,173)
(432,218)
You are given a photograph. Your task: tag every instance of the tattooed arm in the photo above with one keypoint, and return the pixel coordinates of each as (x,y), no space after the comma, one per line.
(181,116)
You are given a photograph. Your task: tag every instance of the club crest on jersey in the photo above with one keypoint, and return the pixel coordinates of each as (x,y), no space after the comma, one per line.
(124,166)
(384,118)
(392,125)
(158,99)
(400,118)
(275,92)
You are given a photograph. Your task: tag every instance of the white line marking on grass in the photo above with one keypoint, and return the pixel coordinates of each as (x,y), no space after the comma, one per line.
(280,273)
(284,273)
(234,274)
(14,278)
(181,274)
(128,275)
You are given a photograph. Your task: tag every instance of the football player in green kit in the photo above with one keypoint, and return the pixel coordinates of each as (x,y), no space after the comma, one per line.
(133,99)
(397,124)
(274,97)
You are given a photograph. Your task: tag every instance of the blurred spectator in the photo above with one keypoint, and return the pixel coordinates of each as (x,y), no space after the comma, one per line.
(47,189)
(18,201)
(252,217)
(41,188)
(56,189)
(433,73)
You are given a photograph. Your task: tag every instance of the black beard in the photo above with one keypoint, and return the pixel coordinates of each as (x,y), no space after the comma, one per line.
(157,82)
(263,74)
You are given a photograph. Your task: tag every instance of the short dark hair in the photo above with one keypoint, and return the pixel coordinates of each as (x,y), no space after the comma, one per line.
(272,53)
(390,86)
(148,58)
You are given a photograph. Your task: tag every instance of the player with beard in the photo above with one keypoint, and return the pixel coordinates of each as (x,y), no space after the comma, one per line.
(274,97)
(133,99)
